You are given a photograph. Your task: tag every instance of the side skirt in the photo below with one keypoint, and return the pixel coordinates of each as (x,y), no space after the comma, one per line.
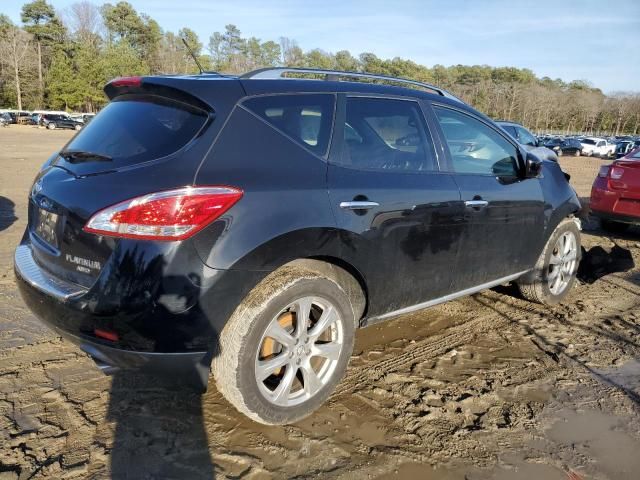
(365,322)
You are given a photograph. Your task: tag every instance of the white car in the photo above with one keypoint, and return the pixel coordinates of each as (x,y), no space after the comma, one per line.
(594,146)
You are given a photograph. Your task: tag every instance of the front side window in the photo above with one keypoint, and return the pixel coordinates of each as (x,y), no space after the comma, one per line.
(526,138)
(475,147)
(306,119)
(386,134)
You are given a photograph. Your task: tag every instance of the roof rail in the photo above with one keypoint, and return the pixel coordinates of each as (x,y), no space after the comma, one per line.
(335,76)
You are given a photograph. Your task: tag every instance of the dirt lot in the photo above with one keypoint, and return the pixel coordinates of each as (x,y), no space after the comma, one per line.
(488,387)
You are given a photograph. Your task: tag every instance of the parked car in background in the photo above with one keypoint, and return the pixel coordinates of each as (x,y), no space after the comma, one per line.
(597,147)
(623,147)
(527,139)
(53,121)
(615,195)
(19,116)
(254,222)
(5,120)
(564,146)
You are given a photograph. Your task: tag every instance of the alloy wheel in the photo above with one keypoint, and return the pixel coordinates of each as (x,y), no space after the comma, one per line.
(299,351)
(563,263)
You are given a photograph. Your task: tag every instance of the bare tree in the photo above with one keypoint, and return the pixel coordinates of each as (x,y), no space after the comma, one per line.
(15,46)
(84,20)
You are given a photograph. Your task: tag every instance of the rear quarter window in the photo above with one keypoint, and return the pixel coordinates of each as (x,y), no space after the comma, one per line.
(136,129)
(306,118)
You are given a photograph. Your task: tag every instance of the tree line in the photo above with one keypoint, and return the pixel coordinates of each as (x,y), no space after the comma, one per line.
(61,61)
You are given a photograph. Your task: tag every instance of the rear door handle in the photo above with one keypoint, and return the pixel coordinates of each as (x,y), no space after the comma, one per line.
(358,205)
(476,203)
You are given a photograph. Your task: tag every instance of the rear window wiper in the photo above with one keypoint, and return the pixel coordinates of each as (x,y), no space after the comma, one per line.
(77,156)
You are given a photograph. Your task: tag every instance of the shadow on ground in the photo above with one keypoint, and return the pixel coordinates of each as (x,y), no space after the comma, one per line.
(7,213)
(159,430)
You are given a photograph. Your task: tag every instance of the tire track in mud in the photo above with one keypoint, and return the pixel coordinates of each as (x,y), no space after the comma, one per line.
(423,350)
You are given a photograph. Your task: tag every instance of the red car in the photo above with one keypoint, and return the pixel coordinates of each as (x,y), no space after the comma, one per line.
(615,195)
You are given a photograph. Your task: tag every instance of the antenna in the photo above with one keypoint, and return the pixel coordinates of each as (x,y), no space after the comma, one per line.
(193,55)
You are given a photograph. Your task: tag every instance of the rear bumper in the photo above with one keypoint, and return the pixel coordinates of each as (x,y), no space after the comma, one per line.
(616,217)
(614,204)
(193,367)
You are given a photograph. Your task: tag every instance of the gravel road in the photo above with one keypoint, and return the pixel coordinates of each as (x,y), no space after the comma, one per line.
(487,387)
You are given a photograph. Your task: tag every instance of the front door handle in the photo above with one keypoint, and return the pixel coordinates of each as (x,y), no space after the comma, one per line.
(358,205)
(476,204)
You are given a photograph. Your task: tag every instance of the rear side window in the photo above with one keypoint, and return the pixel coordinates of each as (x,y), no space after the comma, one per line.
(306,119)
(134,129)
(386,134)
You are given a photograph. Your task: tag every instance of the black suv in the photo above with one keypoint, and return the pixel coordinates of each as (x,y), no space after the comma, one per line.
(53,121)
(251,224)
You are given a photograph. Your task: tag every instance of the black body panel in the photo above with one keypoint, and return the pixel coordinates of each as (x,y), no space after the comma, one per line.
(420,243)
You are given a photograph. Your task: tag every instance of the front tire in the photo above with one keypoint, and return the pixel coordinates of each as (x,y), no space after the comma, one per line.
(51,126)
(555,272)
(577,153)
(77,127)
(286,346)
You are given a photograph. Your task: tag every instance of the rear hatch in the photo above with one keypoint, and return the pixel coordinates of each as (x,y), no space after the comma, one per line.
(624,176)
(148,139)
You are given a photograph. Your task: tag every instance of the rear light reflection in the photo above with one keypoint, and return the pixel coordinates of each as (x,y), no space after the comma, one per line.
(170,215)
(106,335)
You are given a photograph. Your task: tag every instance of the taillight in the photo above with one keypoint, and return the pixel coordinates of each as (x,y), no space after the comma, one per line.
(126,82)
(604,171)
(616,173)
(169,215)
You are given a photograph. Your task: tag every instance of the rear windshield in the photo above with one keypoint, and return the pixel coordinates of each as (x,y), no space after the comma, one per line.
(589,142)
(134,129)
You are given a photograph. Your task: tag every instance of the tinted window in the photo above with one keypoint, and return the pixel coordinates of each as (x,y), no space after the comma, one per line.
(385,134)
(588,142)
(306,119)
(137,129)
(526,138)
(510,130)
(475,147)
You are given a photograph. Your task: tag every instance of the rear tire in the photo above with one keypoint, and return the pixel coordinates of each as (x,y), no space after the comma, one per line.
(555,272)
(77,127)
(245,368)
(560,153)
(577,154)
(613,226)
(51,126)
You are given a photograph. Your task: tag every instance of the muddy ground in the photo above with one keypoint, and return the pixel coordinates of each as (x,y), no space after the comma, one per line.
(487,387)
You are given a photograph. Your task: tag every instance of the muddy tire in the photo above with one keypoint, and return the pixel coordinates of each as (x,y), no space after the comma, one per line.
(287,345)
(555,272)
(613,227)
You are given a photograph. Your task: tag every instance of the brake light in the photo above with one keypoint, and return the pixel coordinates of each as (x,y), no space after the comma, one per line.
(604,171)
(616,173)
(126,82)
(170,215)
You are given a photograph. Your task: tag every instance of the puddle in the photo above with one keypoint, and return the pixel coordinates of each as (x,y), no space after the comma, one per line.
(599,437)
(626,376)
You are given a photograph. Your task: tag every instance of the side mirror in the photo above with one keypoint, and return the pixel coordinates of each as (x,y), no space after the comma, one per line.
(533,166)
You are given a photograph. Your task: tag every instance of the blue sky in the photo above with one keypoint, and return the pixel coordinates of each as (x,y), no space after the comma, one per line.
(590,40)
